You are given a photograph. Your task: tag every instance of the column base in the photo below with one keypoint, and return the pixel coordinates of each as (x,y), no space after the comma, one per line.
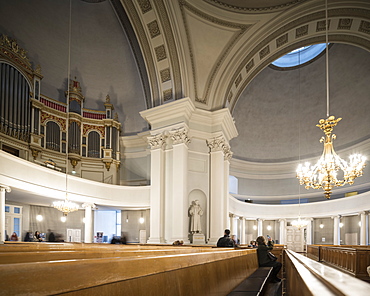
(213,241)
(155,240)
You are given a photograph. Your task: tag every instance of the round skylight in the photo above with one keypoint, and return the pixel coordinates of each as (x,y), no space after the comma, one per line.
(299,56)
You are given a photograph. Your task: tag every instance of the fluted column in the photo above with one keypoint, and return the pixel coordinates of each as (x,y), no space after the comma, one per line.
(259,227)
(336,230)
(88,222)
(219,152)
(157,173)
(363,228)
(282,232)
(3,189)
(179,178)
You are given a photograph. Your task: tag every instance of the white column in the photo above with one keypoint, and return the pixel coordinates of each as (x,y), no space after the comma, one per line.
(363,228)
(88,222)
(242,239)
(282,234)
(231,219)
(259,227)
(180,219)
(309,232)
(3,188)
(157,144)
(218,201)
(235,225)
(336,230)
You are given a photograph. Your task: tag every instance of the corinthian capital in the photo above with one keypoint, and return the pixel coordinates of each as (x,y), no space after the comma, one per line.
(219,144)
(157,141)
(180,135)
(216,144)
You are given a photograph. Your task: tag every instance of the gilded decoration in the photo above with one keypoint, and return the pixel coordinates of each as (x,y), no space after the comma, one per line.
(107,103)
(49,117)
(364,27)
(301,31)
(145,6)
(16,52)
(154,29)
(157,141)
(264,52)
(180,136)
(71,120)
(165,75)
(282,40)
(75,86)
(86,128)
(345,24)
(38,70)
(160,53)
(167,95)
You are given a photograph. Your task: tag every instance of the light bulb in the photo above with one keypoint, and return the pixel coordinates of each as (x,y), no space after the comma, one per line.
(39,218)
(63,219)
(141,220)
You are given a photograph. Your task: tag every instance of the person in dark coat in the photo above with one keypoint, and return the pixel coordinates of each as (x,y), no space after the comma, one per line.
(226,240)
(264,259)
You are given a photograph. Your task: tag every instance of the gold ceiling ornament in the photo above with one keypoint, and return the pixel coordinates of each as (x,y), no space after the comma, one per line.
(65,206)
(324,174)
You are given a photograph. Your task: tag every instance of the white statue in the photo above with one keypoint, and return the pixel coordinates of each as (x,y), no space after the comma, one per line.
(195,212)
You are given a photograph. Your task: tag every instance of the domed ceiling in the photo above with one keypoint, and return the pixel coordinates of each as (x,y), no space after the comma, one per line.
(277,113)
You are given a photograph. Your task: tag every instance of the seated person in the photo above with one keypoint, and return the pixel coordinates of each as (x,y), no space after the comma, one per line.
(225,241)
(264,259)
(252,244)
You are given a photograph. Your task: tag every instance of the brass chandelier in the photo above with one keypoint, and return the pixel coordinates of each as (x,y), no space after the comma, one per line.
(324,174)
(65,206)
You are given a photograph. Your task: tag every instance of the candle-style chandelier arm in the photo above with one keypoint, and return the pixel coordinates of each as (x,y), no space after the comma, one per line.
(324,174)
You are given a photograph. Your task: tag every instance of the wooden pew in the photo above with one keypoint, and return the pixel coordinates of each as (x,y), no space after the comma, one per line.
(307,277)
(352,259)
(204,271)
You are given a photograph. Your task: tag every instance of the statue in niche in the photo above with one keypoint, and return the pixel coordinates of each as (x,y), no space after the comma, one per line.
(195,212)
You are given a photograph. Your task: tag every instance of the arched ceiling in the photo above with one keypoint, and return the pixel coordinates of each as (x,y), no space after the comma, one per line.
(211,51)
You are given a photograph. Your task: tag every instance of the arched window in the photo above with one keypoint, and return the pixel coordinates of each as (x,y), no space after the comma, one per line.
(93,145)
(52,136)
(299,56)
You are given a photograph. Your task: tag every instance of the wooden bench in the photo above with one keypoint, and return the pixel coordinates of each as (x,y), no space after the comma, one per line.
(210,271)
(255,284)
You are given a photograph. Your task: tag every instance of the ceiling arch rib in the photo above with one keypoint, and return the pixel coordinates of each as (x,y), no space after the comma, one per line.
(345,26)
(209,41)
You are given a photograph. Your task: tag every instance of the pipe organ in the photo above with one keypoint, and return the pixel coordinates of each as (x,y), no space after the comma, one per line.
(41,129)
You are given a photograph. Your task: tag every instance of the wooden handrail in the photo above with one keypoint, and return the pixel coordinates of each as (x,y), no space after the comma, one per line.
(305,276)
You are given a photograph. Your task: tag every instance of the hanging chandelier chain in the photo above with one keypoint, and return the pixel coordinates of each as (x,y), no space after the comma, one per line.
(327,57)
(324,174)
